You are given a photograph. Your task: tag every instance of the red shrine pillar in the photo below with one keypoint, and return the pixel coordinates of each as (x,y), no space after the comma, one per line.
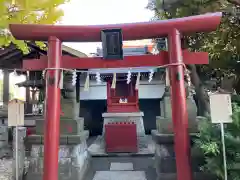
(52,110)
(179,107)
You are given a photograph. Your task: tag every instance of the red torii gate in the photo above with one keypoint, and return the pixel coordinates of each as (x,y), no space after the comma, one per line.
(55,34)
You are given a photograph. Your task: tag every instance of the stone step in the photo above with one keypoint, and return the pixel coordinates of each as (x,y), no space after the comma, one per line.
(122,165)
(119,175)
(116,166)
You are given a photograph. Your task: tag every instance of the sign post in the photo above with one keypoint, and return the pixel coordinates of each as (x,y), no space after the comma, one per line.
(221,112)
(16,118)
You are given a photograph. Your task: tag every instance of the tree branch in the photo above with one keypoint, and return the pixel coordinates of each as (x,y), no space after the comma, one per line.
(235,2)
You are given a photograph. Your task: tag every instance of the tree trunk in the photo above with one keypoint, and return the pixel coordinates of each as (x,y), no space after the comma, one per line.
(201,98)
(237,85)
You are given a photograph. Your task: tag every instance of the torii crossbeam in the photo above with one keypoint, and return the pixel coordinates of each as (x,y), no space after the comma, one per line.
(55,34)
(129,61)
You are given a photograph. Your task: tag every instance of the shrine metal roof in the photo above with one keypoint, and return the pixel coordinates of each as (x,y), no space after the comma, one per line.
(11,58)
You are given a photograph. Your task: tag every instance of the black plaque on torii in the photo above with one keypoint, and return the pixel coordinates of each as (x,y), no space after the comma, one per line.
(112,42)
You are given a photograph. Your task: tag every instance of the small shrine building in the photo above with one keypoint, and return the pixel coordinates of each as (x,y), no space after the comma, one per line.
(101,101)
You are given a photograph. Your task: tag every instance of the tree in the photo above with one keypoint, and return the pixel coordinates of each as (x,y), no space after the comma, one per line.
(26,12)
(223,44)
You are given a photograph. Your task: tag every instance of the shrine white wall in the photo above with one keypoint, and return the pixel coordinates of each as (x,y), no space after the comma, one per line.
(152,90)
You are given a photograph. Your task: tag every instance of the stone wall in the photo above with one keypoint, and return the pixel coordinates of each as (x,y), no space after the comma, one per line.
(73,158)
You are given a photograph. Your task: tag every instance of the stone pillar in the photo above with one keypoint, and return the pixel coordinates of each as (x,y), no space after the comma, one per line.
(3,139)
(21,152)
(5,95)
(28,108)
(73,155)
(6,88)
(161,108)
(69,104)
(164,122)
(167,106)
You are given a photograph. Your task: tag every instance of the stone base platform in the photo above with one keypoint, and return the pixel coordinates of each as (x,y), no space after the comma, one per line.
(73,157)
(165,161)
(146,147)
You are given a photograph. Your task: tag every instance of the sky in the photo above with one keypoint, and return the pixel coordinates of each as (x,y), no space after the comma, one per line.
(94,12)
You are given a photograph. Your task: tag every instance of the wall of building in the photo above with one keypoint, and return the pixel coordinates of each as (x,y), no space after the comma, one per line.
(152,90)
(93,104)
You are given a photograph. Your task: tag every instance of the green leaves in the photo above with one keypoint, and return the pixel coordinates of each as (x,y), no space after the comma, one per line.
(223,44)
(209,141)
(27,12)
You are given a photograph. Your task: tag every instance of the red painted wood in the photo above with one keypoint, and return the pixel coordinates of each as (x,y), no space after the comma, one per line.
(121,137)
(52,111)
(108,92)
(113,105)
(137,98)
(131,31)
(179,108)
(120,108)
(129,61)
(30,131)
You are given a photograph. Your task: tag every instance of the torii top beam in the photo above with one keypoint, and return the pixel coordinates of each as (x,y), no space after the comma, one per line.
(131,31)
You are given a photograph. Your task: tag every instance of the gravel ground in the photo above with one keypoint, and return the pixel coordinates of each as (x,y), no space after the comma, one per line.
(6,168)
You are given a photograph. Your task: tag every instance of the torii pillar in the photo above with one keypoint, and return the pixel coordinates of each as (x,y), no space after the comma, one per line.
(56,34)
